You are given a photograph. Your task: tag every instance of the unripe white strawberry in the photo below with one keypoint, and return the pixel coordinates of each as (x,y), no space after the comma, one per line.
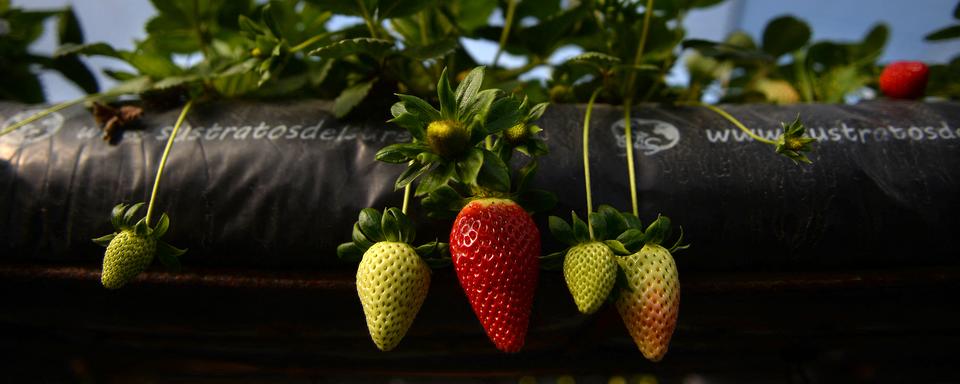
(392,282)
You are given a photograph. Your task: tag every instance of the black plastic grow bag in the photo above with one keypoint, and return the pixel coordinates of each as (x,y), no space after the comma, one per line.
(279,185)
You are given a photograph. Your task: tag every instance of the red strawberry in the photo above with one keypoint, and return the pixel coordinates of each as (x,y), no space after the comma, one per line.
(495,247)
(904,80)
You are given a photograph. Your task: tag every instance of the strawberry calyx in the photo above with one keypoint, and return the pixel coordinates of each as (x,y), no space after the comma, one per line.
(448,143)
(122,218)
(792,143)
(524,135)
(447,200)
(391,225)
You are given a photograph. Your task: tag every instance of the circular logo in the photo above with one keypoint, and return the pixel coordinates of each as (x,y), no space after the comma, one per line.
(33,131)
(649,136)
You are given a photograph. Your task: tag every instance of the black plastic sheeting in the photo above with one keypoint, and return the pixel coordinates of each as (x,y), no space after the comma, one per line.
(278,186)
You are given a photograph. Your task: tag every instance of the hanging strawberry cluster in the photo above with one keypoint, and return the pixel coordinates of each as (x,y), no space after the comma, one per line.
(459,157)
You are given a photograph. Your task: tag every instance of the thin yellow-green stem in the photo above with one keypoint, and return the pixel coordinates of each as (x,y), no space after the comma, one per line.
(45,112)
(163,159)
(647,13)
(508,22)
(406,199)
(631,171)
(736,122)
(586,157)
(366,18)
(308,42)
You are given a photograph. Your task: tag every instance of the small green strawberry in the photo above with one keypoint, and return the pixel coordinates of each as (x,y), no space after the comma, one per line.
(589,265)
(131,249)
(393,277)
(649,297)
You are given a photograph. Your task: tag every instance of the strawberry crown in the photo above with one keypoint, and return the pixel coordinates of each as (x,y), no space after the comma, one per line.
(792,143)
(622,232)
(122,218)
(392,225)
(447,143)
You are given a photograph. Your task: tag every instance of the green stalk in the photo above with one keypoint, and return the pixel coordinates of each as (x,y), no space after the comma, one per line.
(366,18)
(308,42)
(647,13)
(511,10)
(406,199)
(45,112)
(736,122)
(631,172)
(800,67)
(163,159)
(586,157)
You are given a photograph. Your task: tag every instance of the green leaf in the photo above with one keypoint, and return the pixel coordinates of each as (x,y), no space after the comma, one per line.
(444,202)
(632,239)
(633,222)
(437,177)
(536,111)
(525,176)
(580,230)
(617,247)
(599,60)
(562,231)
(162,225)
(141,227)
(369,221)
(408,121)
(349,252)
(434,50)
(390,227)
(479,105)
(376,48)
(504,113)
(72,68)
(154,65)
(469,167)
(411,173)
(494,173)
(133,86)
(946,33)
(658,230)
(615,222)
(359,237)
(427,250)
(400,153)
(468,88)
(785,34)
(405,229)
(68,28)
(553,261)
(169,256)
(104,241)
(423,110)
(448,102)
(599,224)
(350,97)
(129,214)
(95,49)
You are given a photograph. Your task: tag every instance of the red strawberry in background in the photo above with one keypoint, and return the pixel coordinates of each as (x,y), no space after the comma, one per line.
(904,80)
(495,247)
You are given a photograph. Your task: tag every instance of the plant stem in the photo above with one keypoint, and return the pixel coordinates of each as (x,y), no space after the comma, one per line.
(163,159)
(647,13)
(628,140)
(736,122)
(308,42)
(406,199)
(366,18)
(800,67)
(508,22)
(586,157)
(45,112)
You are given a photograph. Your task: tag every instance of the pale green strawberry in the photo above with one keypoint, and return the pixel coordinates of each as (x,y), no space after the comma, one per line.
(131,249)
(651,303)
(590,270)
(393,277)
(392,283)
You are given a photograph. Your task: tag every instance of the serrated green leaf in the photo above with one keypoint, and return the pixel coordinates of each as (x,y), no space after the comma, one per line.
(357,46)
(562,231)
(615,222)
(349,252)
(411,173)
(95,49)
(423,110)
(494,173)
(504,113)
(351,97)
(401,8)
(479,105)
(468,88)
(600,61)
(469,167)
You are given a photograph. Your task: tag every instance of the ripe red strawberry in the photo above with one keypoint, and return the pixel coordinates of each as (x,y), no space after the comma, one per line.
(495,247)
(904,80)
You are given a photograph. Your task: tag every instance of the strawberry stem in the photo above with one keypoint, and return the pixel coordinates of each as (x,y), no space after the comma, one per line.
(406,199)
(507,23)
(45,112)
(586,157)
(163,159)
(628,140)
(736,122)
